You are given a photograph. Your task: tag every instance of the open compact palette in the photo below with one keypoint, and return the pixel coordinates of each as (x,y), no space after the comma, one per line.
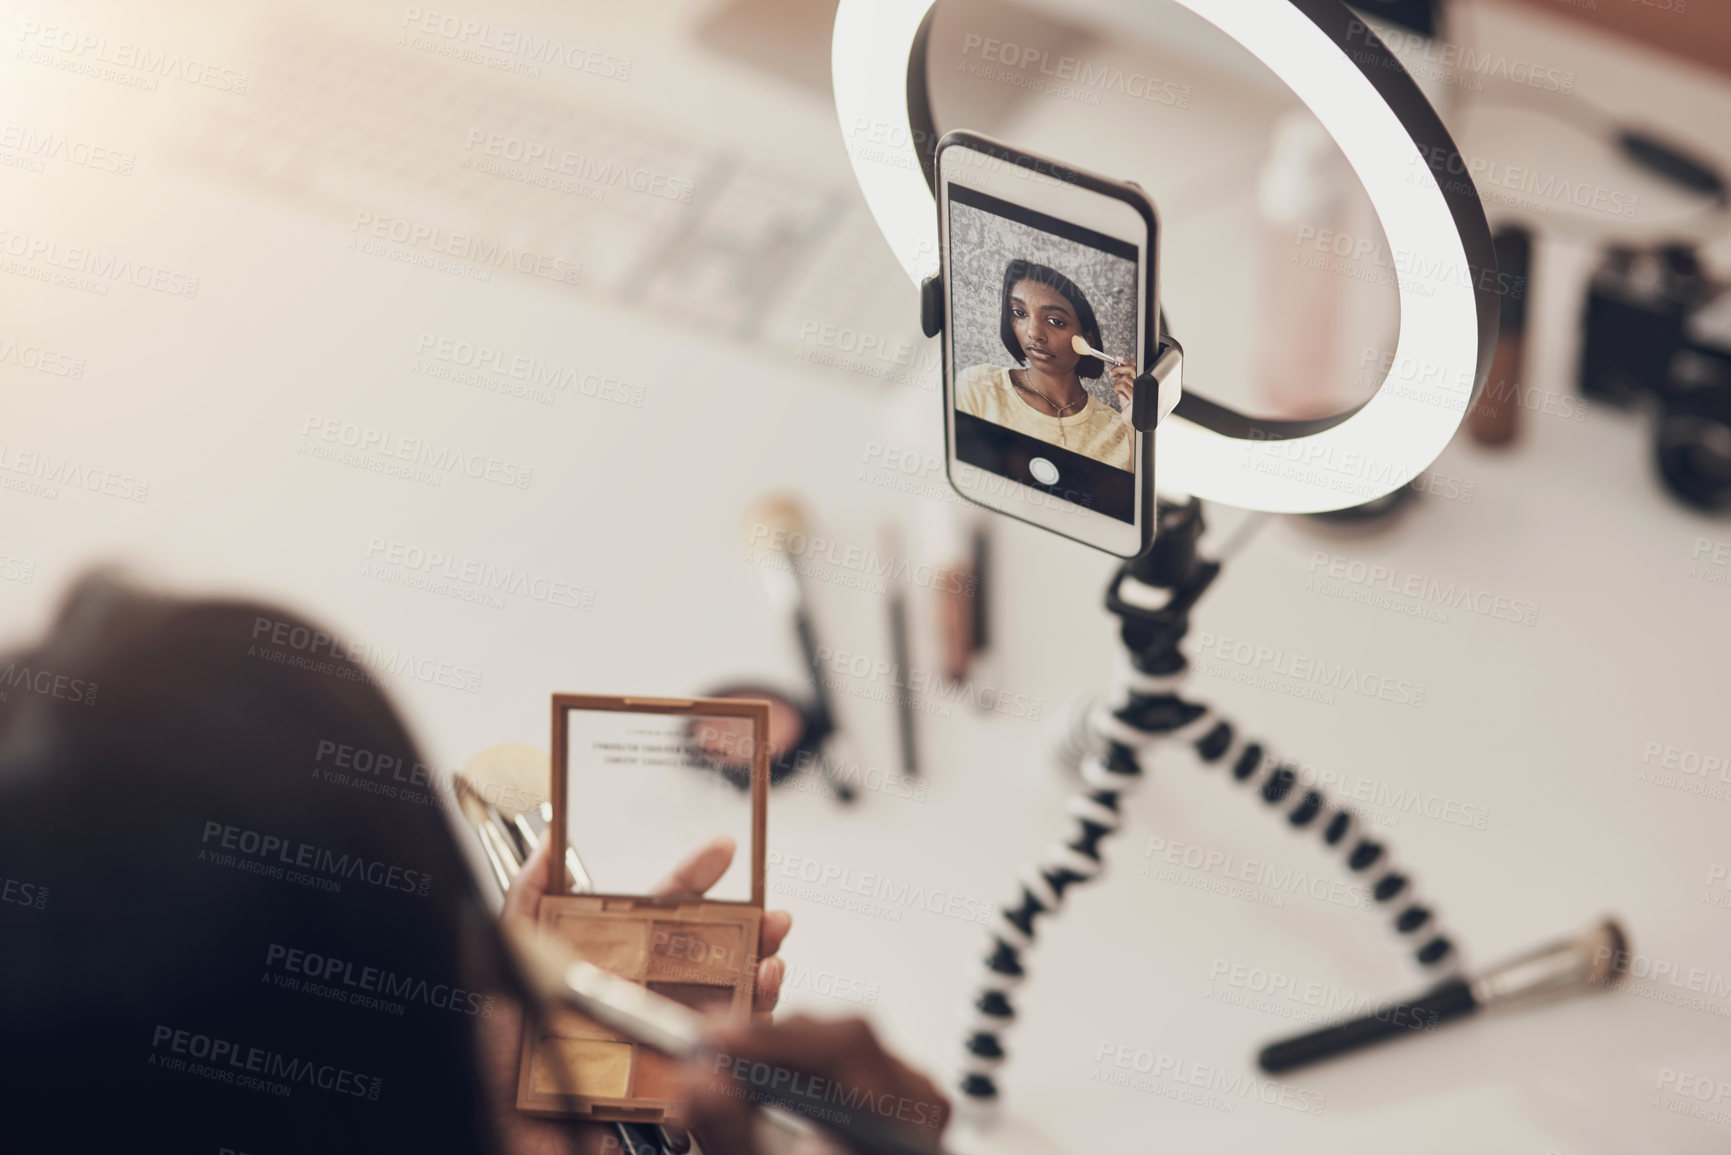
(638,783)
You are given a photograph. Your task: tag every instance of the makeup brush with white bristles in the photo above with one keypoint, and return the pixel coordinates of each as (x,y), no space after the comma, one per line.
(1165,401)
(1080,344)
(1591,961)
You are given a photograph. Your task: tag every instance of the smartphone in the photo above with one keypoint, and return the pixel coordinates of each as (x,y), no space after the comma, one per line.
(1035,254)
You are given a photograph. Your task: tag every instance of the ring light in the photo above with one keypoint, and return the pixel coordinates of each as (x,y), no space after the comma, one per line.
(1444,264)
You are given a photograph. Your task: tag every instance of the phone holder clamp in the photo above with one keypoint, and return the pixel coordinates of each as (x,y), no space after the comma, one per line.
(932,305)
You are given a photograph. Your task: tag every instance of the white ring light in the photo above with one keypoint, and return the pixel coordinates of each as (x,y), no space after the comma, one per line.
(1448,311)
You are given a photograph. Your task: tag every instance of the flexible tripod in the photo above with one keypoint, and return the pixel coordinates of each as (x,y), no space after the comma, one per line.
(1152,597)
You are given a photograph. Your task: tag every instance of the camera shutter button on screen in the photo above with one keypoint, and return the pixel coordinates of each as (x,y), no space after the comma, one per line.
(1044,471)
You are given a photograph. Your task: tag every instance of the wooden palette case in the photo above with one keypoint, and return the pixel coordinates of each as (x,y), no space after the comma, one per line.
(702,952)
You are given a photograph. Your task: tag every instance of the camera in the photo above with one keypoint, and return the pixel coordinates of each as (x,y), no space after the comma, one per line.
(1657,334)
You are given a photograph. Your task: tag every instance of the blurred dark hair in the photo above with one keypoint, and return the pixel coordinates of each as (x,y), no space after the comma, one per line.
(1024,270)
(138,727)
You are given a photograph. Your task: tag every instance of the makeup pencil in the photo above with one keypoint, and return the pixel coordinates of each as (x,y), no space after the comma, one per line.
(1495,416)
(898,611)
(982,560)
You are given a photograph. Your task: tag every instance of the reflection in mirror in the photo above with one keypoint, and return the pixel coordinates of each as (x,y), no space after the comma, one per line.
(641,795)
(796,736)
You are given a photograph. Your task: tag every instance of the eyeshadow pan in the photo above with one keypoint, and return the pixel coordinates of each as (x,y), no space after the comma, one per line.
(655,1077)
(698,952)
(619,945)
(597,1068)
(568,1024)
(703,997)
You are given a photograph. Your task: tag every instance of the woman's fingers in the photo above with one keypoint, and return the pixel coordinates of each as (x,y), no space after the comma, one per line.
(523,899)
(767,994)
(701,869)
(846,1053)
(772,931)
(714,1111)
(1124,383)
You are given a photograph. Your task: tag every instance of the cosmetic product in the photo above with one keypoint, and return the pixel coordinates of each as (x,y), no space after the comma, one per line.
(1495,416)
(1596,959)
(957,620)
(967,614)
(1301,193)
(626,771)
(981,550)
(899,657)
(669,1031)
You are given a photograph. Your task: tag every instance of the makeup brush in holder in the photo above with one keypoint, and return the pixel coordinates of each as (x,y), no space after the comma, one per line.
(502,795)
(1152,597)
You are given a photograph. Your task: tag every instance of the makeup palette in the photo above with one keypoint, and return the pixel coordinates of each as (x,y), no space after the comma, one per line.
(632,776)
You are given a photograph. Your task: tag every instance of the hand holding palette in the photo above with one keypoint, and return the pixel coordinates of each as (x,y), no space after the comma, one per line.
(633,785)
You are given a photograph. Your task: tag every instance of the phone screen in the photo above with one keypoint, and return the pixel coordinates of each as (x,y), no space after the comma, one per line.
(1027,405)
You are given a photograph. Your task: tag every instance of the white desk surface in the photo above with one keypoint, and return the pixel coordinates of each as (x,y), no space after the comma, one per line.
(1540,728)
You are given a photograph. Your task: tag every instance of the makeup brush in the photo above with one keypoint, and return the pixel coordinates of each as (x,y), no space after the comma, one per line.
(1165,399)
(500,793)
(504,857)
(1080,344)
(1597,958)
(502,861)
(781,519)
(772,526)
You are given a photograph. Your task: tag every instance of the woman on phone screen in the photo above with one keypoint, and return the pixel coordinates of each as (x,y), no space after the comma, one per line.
(1041,312)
